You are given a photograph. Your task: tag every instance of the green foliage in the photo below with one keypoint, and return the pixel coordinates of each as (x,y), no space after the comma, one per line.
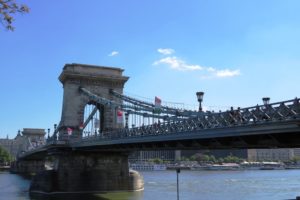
(220,160)
(5,157)
(212,159)
(156,160)
(203,158)
(232,159)
(7,9)
(295,159)
(193,158)
(185,158)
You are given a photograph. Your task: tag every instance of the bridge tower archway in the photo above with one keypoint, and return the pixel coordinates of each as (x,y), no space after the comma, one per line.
(94,115)
(97,79)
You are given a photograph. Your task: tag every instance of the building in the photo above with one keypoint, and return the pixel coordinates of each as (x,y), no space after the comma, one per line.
(271,154)
(30,138)
(144,156)
(297,152)
(35,136)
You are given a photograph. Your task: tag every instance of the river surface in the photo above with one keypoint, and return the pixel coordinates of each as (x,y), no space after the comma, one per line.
(193,185)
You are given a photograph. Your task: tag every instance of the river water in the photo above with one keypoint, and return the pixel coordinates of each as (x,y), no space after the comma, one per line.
(193,185)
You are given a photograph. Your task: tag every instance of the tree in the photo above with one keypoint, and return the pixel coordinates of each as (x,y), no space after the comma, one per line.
(201,157)
(295,159)
(232,159)
(156,160)
(8,8)
(220,160)
(5,157)
(212,159)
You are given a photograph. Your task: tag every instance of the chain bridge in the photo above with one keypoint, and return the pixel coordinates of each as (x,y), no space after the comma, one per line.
(100,125)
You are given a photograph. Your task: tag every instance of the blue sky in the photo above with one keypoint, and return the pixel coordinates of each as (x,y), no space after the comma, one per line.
(235,51)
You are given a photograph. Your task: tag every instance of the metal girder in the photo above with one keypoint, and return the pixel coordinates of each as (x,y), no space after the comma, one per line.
(99,99)
(150,106)
(90,117)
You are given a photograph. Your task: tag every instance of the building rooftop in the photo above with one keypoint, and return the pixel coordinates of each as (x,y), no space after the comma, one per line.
(33,131)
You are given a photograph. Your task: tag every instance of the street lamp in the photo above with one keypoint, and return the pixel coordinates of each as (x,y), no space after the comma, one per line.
(126,119)
(54,132)
(266,100)
(177,172)
(48,133)
(200,99)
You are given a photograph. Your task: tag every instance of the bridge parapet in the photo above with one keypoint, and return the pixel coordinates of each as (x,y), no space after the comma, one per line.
(285,114)
(276,112)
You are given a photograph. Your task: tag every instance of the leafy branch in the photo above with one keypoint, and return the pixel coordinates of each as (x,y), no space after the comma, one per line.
(8,8)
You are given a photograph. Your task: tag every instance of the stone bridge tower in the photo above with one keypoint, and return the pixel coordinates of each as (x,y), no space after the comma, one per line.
(97,79)
(80,171)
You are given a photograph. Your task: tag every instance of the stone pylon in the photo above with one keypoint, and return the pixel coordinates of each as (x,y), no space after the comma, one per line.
(97,79)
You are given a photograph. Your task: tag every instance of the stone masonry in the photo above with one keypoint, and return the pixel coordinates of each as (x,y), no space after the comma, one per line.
(98,80)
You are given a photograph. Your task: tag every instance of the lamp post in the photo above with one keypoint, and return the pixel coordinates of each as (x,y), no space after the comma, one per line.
(266,100)
(126,119)
(200,99)
(48,133)
(54,132)
(55,126)
(177,172)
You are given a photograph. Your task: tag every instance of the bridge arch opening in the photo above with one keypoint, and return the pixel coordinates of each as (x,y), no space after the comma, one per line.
(93,119)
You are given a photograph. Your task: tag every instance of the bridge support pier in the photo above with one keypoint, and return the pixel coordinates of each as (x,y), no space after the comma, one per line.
(88,172)
(28,166)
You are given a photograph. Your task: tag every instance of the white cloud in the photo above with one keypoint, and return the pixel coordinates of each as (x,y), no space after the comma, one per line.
(207,72)
(177,64)
(227,73)
(114,53)
(166,51)
(211,69)
(214,73)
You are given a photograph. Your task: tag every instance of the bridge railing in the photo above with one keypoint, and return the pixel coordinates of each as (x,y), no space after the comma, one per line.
(49,142)
(280,111)
(259,114)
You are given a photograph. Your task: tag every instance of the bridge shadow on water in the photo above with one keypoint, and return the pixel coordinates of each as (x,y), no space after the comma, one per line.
(99,196)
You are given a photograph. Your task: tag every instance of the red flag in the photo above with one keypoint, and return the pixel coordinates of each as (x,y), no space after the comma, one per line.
(157,101)
(81,126)
(119,113)
(69,130)
(119,116)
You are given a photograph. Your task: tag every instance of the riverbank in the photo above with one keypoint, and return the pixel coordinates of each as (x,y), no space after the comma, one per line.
(222,166)
(4,167)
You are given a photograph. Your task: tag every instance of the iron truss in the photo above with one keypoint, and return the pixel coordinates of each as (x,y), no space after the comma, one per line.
(197,121)
(282,111)
(192,126)
(137,107)
(151,107)
(265,126)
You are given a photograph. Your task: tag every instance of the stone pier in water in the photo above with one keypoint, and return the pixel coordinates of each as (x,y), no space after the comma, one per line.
(77,172)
